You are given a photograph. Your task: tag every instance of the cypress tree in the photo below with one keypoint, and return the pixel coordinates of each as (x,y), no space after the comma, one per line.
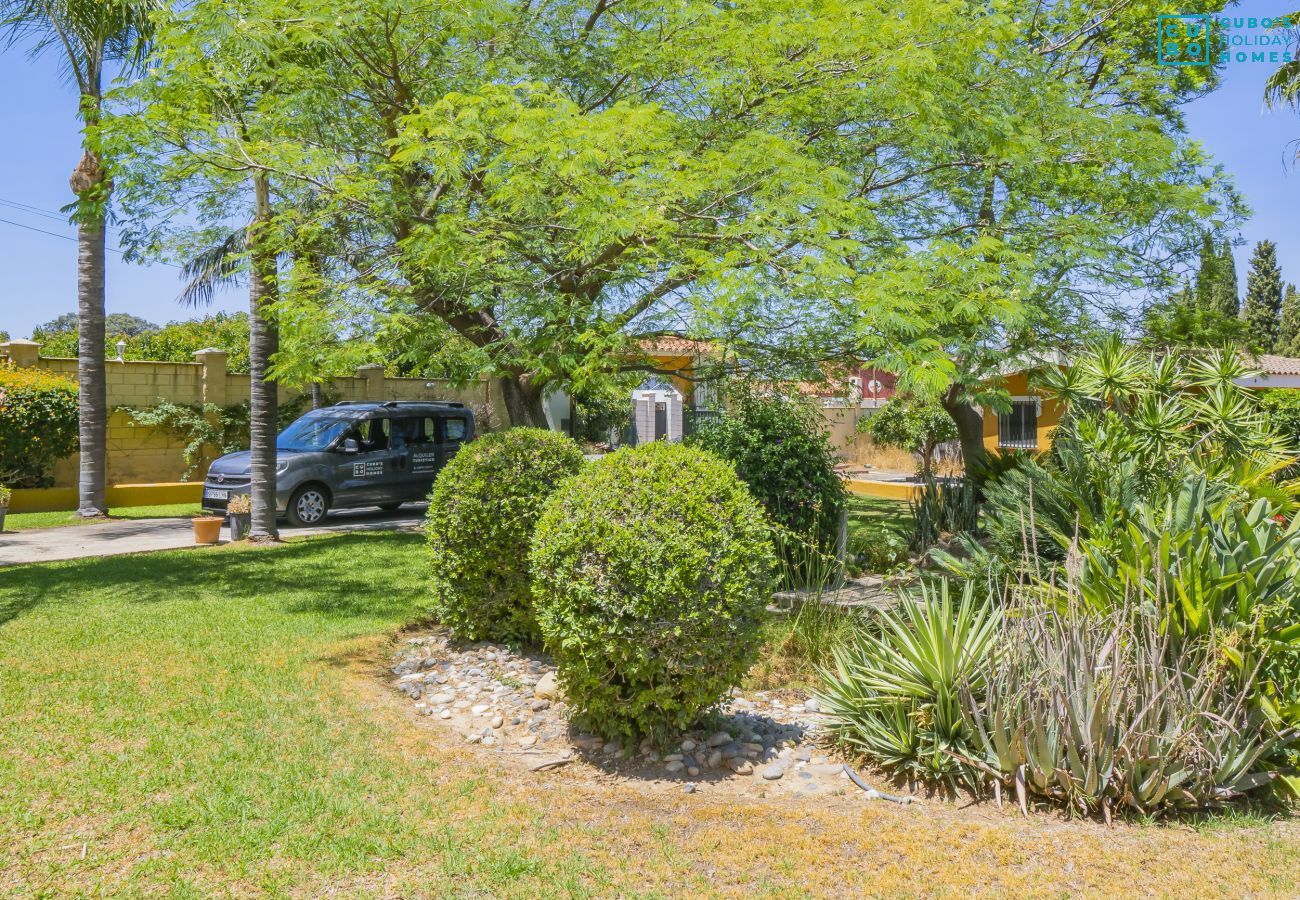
(1205,276)
(1288,338)
(1263,310)
(1224,296)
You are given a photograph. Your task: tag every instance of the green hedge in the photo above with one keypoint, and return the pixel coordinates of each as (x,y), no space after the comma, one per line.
(481,515)
(38,425)
(652,570)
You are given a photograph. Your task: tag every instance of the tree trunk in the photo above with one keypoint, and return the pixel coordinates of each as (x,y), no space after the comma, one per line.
(92,391)
(315,395)
(523,402)
(970,430)
(89,185)
(263,343)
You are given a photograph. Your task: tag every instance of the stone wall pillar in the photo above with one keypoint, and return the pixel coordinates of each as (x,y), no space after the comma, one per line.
(23,354)
(212,376)
(372,379)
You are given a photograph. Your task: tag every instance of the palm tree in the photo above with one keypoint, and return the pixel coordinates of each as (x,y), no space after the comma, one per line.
(88,36)
(1283,87)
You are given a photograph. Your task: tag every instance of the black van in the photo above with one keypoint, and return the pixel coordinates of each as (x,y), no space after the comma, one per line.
(348,455)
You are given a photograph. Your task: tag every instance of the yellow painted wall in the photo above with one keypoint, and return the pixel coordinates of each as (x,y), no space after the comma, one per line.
(138,455)
(119,495)
(885,490)
(1049,416)
(680,369)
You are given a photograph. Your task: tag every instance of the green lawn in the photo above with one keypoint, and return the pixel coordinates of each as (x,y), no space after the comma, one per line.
(27,521)
(875,511)
(217,722)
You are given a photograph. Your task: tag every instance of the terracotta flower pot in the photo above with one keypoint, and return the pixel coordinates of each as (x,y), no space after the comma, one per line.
(207,529)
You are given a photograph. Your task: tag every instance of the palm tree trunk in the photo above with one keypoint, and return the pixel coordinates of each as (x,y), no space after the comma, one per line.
(88,183)
(263,342)
(92,392)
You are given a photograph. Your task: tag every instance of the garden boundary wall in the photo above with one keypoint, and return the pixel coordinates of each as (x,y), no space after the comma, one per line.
(140,455)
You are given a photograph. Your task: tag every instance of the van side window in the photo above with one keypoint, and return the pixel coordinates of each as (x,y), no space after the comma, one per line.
(421,430)
(456,429)
(374,434)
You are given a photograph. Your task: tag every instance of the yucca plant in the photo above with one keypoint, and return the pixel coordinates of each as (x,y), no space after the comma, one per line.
(894,695)
(942,507)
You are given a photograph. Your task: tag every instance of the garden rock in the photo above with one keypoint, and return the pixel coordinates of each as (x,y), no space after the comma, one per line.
(547,688)
(488,695)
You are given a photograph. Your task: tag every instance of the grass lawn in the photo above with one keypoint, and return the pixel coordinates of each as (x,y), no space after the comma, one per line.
(875,512)
(214,722)
(27,521)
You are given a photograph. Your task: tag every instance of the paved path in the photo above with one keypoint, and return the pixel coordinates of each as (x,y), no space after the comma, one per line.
(142,535)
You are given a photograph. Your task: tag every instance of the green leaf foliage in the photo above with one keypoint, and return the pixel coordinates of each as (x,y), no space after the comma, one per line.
(1263,308)
(913,425)
(38,425)
(482,512)
(796,181)
(780,448)
(652,572)
(174,342)
(895,693)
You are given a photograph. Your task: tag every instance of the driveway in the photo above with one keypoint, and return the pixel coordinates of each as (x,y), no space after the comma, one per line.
(144,535)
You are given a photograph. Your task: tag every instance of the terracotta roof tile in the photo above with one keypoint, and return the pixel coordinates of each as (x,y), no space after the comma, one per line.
(1277,365)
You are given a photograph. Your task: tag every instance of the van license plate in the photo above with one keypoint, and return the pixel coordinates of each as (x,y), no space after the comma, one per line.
(209,494)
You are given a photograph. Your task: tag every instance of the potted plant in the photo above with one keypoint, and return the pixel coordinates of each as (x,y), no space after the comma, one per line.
(207,529)
(239,512)
(4,505)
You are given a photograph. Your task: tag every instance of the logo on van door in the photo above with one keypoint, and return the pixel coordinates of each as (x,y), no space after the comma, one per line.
(424,462)
(367,469)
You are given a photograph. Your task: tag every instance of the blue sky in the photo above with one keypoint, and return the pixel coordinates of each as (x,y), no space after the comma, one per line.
(39,149)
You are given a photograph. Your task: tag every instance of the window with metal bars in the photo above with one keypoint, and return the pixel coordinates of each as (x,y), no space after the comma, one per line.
(1018,429)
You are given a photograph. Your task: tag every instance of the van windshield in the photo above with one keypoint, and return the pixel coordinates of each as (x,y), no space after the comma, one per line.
(312,433)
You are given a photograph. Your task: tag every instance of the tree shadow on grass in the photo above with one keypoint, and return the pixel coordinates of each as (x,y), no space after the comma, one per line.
(346,575)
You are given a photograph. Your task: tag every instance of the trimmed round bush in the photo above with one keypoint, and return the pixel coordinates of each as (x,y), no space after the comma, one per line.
(484,505)
(652,570)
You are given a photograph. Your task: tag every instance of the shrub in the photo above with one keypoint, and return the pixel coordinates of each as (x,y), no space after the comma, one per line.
(1096,710)
(38,424)
(481,516)
(780,449)
(1101,712)
(652,575)
(912,425)
(895,696)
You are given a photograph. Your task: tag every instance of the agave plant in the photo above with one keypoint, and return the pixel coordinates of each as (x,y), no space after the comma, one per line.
(1097,712)
(895,695)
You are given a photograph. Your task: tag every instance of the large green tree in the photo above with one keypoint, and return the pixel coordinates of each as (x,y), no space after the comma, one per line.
(89,37)
(1263,309)
(192,136)
(1288,338)
(927,186)
(1225,298)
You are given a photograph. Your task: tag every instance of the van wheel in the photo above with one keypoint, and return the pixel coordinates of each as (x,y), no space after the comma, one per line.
(308,505)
